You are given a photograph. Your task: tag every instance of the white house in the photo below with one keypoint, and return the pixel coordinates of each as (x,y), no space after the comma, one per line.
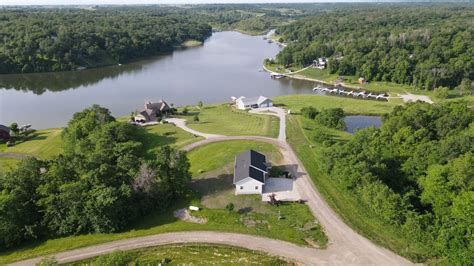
(250,173)
(244,103)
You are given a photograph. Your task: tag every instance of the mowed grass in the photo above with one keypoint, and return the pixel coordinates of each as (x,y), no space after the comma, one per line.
(191,254)
(216,155)
(6,164)
(349,105)
(309,152)
(225,120)
(156,136)
(43,144)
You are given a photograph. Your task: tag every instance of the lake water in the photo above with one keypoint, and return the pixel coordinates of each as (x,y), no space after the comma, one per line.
(354,122)
(228,64)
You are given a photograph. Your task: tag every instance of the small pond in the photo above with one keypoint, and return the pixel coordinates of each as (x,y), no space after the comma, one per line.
(354,122)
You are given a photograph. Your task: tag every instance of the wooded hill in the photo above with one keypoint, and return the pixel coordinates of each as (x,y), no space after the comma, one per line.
(426,46)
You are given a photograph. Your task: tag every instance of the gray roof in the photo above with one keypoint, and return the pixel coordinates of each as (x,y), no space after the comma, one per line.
(254,100)
(4,128)
(157,106)
(250,164)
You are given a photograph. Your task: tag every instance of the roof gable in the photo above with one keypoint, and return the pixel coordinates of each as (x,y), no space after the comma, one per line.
(250,164)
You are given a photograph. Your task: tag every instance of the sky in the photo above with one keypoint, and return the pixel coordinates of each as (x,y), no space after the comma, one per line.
(134,2)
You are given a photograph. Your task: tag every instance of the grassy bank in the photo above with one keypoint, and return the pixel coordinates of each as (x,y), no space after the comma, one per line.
(6,164)
(351,106)
(187,255)
(217,155)
(43,144)
(191,43)
(299,136)
(225,120)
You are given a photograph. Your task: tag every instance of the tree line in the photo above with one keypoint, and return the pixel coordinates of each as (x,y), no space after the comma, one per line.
(102,183)
(426,46)
(416,174)
(55,40)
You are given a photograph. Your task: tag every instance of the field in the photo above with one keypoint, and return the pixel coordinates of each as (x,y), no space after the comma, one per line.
(225,120)
(187,255)
(43,144)
(299,137)
(6,164)
(217,155)
(212,191)
(156,136)
(350,106)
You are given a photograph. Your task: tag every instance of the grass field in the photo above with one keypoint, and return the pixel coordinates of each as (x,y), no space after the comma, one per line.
(43,144)
(213,193)
(225,120)
(217,155)
(345,205)
(192,254)
(6,164)
(351,106)
(156,136)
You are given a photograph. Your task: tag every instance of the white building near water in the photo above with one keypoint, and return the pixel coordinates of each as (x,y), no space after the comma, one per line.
(244,103)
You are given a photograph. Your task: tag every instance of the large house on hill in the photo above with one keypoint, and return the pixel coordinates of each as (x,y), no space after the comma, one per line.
(244,103)
(4,132)
(152,111)
(250,172)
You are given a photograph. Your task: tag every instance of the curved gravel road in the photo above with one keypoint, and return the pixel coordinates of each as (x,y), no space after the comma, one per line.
(346,247)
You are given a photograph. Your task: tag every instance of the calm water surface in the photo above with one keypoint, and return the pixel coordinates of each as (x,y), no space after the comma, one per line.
(228,64)
(354,122)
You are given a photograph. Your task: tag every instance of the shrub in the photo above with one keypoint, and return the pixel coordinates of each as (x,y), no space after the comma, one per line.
(229,207)
(441,92)
(309,112)
(185,111)
(196,118)
(332,118)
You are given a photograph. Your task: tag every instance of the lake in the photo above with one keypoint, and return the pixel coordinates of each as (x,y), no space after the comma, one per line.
(228,64)
(354,122)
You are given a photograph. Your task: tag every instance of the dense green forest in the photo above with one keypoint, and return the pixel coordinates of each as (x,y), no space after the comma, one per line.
(56,40)
(415,174)
(425,46)
(103,182)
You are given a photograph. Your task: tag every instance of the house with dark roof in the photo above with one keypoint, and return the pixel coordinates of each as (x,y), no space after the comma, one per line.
(4,132)
(152,111)
(250,172)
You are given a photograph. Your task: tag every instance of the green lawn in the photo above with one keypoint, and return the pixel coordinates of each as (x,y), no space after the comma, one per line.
(351,106)
(225,120)
(217,155)
(191,254)
(43,144)
(156,136)
(299,137)
(213,193)
(6,164)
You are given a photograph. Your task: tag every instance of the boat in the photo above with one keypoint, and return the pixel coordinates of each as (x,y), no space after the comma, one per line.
(277,76)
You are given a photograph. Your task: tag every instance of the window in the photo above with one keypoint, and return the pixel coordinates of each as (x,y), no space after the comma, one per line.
(241,187)
(256,187)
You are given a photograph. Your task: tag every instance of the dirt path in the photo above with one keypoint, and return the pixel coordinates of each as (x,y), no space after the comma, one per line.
(346,247)
(13,155)
(181,123)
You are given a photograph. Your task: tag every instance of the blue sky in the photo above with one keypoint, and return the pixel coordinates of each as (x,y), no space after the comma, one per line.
(131,2)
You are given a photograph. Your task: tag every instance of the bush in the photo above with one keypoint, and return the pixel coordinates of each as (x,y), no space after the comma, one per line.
(196,118)
(10,143)
(332,118)
(229,207)
(441,92)
(275,172)
(185,111)
(309,112)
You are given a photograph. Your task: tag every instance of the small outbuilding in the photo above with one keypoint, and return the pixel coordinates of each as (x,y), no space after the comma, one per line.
(244,103)
(250,172)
